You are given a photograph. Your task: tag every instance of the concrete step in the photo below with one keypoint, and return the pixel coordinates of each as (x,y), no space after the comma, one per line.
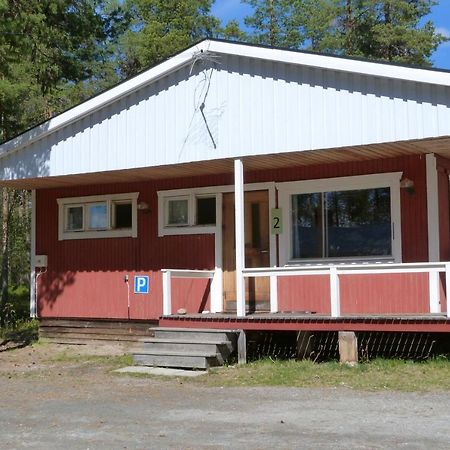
(185,345)
(195,334)
(186,360)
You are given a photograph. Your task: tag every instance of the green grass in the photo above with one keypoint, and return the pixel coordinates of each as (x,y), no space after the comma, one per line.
(379,374)
(23,332)
(109,362)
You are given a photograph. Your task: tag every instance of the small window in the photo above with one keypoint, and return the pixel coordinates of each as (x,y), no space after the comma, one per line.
(178,212)
(123,215)
(206,210)
(100,216)
(74,218)
(97,216)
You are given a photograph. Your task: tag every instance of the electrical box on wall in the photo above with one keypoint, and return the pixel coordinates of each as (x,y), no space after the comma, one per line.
(40,260)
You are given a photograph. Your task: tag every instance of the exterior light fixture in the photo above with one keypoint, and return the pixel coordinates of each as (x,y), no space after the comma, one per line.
(143,206)
(407,184)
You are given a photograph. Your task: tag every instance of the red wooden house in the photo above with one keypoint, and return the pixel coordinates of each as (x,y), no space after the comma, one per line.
(310,189)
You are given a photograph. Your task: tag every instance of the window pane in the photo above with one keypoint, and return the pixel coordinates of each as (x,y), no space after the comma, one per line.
(74,218)
(307,226)
(178,212)
(98,216)
(123,215)
(358,223)
(206,211)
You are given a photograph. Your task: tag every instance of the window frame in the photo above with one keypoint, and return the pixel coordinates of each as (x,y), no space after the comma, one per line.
(87,233)
(286,190)
(164,197)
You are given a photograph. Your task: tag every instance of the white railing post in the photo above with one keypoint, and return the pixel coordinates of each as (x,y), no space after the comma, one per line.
(240,238)
(434,290)
(335,293)
(447,287)
(167,293)
(273,294)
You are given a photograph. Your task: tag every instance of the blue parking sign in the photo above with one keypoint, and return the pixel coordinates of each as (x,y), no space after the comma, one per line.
(141,284)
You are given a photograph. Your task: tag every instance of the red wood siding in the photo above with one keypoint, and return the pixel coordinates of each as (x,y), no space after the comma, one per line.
(85,278)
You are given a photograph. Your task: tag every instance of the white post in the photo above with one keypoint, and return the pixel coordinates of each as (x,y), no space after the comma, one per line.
(33,290)
(273,294)
(217,282)
(432,207)
(167,293)
(434,292)
(240,238)
(447,287)
(335,293)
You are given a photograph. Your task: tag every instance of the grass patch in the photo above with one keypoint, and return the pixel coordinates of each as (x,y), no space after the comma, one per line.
(109,361)
(379,374)
(23,332)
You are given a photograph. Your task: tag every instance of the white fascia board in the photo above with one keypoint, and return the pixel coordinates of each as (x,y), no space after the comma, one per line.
(103,99)
(343,64)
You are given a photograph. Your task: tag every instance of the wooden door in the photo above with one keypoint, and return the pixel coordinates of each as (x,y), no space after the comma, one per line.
(256,212)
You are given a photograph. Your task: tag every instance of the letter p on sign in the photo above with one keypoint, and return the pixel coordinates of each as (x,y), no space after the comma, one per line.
(141,284)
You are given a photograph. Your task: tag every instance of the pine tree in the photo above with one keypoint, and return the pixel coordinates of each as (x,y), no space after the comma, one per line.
(160,28)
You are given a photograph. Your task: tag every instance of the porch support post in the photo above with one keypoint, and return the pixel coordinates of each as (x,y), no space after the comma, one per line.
(33,290)
(242,347)
(447,287)
(167,294)
(335,293)
(434,292)
(432,208)
(217,282)
(348,347)
(273,294)
(240,238)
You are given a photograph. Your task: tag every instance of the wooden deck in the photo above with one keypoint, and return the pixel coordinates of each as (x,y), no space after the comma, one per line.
(437,323)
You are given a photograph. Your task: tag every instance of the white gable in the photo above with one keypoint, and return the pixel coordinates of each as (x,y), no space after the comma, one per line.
(222,100)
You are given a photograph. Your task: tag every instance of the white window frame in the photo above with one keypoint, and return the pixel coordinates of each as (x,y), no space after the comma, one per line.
(164,197)
(86,233)
(359,182)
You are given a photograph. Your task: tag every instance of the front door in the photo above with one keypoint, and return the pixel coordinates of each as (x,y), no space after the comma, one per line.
(256,212)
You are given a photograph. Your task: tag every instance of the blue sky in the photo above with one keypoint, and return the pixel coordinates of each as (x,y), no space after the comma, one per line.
(233,9)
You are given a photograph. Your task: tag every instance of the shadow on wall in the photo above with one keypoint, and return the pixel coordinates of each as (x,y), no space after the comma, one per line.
(50,291)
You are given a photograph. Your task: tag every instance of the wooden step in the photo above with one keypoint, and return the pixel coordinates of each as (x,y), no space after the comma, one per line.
(186,360)
(210,335)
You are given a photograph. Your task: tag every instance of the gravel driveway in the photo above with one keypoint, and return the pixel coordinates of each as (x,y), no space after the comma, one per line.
(55,405)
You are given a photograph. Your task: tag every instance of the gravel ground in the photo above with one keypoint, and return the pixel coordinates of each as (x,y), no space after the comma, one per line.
(48,404)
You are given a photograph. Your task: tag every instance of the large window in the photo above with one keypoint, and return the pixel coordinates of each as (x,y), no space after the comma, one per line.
(339,219)
(98,216)
(341,224)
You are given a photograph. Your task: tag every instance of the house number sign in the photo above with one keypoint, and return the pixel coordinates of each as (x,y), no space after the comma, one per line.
(277,221)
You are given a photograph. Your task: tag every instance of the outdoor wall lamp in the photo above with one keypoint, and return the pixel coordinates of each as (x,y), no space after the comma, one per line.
(408,184)
(143,206)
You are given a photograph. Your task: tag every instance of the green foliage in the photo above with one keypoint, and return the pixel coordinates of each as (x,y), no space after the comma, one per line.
(23,332)
(391,30)
(160,28)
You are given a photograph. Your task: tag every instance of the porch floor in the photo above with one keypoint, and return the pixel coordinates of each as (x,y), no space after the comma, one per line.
(298,321)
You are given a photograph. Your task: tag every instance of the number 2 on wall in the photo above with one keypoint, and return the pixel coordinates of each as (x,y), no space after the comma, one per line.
(277,222)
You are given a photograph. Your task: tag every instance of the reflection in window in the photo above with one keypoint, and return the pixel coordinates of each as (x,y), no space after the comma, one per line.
(74,218)
(123,215)
(178,212)
(206,210)
(341,224)
(98,216)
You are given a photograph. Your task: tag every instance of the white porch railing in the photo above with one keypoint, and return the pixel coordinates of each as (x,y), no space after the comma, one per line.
(168,274)
(334,272)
